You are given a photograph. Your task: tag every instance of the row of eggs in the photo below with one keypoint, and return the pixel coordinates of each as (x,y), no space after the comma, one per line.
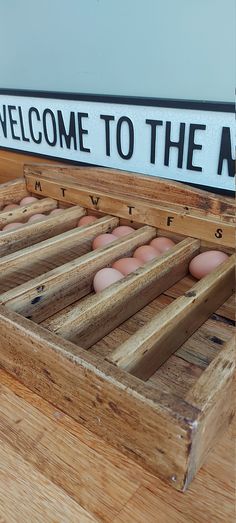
(200,265)
(27,200)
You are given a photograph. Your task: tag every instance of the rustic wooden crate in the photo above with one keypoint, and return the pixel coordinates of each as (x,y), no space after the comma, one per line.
(147,363)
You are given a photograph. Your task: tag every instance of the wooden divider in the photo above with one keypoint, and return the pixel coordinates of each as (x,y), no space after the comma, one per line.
(133,184)
(11,241)
(91,320)
(213,394)
(32,261)
(51,292)
(144,352)
(13,192)
(167,215)
(210,381)
(23,213)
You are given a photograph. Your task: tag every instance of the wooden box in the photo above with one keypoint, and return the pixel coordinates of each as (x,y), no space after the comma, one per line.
(147,363)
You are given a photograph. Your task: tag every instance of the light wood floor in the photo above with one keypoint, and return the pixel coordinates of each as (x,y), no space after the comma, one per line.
(54,470)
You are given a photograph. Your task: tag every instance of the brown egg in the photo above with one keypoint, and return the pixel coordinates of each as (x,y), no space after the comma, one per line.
(122,230)
(27,200)
(162,244)
(12,226)
(127,265)
(56,211)
(85,220)
(205,263)
(146,253)
(10,207)
(102,240)
(37,218)
(105,277)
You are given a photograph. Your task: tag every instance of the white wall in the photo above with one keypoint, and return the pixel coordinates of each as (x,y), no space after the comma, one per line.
(160,48)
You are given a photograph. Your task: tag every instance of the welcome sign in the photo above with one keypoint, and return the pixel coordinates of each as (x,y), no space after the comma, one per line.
(180,140)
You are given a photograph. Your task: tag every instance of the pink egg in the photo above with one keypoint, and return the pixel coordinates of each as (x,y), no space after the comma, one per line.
(105,277)
(85,220)
(11,206)
(122,230)
(102,240)
(162,244)
(56,211)
(27,200)
(127,265)
(12,226)
(146,253)
(205,263)
(37,218)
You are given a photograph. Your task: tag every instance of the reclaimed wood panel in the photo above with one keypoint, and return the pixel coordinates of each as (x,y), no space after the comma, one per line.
(146,350)
(168,217)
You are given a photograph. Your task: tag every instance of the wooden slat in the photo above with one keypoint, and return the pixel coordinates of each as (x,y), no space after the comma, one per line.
(177,220)
(146,350)
(23,213)
(99,314)
(36,232)
(200,349)
(32,261)
(12,192)
(227,309)
(222,366)
(176,376)
(203,346)
(214,395)
(146,187)
(46,294)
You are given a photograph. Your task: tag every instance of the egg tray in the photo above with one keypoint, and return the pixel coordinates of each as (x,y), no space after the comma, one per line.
(148,363)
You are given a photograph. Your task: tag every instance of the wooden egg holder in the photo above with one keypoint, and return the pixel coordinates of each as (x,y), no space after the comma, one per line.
(148,363)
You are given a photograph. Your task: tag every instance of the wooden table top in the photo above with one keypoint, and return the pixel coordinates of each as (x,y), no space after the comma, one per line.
(52,470)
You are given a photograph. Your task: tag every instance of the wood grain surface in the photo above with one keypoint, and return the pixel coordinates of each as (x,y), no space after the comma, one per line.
(52,467)
(54,470)
(165,215)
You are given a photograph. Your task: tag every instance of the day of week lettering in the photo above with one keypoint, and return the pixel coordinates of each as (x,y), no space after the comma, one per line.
(63,191)
(94,199)
(169,220)
(37,186)
(130,207)
(219,233)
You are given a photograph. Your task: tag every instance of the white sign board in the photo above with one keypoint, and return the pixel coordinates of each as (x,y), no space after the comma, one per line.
(179,140)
